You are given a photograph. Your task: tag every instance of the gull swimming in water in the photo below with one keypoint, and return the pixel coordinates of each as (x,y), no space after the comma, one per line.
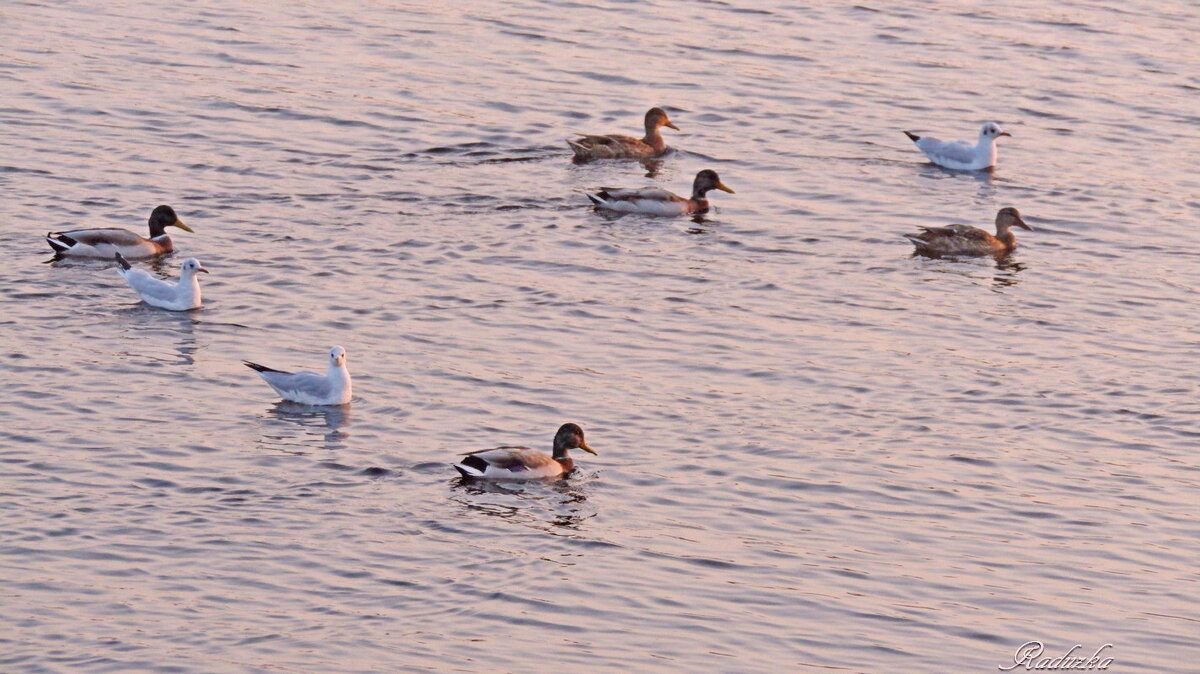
(961,155)
(523,463)
(310,388)
(104,241)
(626,147)
(965,240)
(657,201)
(180,296)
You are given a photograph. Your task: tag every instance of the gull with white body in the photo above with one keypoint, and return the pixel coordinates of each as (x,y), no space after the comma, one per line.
(179,296)
(523,463)
(961,155)
(104,241)
(310,388)
(657,201)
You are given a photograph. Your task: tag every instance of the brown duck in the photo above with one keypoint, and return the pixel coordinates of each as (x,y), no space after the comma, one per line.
(626,147)
(965,240)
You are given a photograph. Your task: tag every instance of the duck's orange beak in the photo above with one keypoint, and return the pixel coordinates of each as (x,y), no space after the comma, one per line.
(721,186)
(584,446)
(669,125)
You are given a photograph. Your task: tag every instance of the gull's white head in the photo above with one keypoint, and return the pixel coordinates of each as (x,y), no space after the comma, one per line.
(991,131)
(337,356)
(191,266)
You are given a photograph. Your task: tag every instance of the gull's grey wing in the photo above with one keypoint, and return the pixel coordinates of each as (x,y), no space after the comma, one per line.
(148,286)
(958,151)
(303,383)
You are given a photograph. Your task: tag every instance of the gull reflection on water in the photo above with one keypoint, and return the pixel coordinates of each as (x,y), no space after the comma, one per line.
(325,421)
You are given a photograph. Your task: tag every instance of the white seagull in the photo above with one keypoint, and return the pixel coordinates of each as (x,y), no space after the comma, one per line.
(523,463)
(310,388)
(180,296)
(961,155)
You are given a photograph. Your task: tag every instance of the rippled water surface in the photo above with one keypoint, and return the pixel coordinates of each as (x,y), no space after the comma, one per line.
(817,453)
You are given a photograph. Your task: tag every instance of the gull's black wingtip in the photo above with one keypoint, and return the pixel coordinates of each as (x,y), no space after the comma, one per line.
(122,261)
(912,136)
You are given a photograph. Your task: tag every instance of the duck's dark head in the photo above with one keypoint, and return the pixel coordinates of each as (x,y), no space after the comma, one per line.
(570,436)
(1009,217)
(163,217)
(657,117)
(706,181)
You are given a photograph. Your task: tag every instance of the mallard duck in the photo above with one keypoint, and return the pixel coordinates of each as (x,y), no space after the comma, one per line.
(104,241)
(310,388)
(965,240)
(962,155)
(657,201)
(626,147)
(180,296)
(523,463)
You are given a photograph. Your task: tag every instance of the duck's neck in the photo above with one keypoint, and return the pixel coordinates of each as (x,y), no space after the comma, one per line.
(567,463)
(1005,236)
(654,138)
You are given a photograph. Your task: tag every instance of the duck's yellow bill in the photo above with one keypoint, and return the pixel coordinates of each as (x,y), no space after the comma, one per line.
(584,447)
(721,186)
(179,223)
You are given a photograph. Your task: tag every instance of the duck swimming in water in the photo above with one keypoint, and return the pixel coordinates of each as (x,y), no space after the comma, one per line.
(104,241)
(961,155)
(657,201)
(625,147)
(965,240)
(523,463)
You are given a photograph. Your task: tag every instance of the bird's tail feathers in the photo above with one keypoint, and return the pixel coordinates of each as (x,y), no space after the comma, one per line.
(60,245)
(260,368)
(467,471)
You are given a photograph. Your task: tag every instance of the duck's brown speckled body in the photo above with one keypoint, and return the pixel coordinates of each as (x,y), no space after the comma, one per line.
(965,240)
(626,147)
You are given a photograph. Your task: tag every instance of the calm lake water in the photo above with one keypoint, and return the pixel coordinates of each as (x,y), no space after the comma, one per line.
(817,453)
